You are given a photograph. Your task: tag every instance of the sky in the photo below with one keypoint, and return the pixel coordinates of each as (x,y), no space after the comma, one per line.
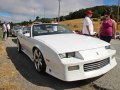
(21,10)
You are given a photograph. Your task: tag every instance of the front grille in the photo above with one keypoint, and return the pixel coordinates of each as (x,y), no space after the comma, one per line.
(96,65)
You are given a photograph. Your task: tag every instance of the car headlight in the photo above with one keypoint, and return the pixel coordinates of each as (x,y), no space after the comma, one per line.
(62,56)
(109,47)
(67,55)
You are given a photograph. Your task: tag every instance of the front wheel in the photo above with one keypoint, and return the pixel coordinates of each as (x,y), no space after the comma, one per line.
(39,62)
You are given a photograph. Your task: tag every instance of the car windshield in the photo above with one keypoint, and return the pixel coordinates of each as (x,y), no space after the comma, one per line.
(48,29)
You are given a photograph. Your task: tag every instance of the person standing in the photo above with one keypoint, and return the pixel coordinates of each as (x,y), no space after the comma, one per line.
(88,28)
(108,28)
(8,29)
(4,28)
(54,22)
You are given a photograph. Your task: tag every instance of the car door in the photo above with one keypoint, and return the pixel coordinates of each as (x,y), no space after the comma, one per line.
(27,42)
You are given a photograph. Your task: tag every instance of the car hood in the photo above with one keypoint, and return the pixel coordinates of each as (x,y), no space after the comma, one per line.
(63,43)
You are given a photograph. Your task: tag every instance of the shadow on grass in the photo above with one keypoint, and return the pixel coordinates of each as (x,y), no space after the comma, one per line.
(26,68)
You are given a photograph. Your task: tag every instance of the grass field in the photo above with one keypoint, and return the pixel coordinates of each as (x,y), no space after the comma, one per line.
(77,24)
(0,34)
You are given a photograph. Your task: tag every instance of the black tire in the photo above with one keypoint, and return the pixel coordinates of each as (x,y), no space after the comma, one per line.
(19,46)
(39,62)
(13,35)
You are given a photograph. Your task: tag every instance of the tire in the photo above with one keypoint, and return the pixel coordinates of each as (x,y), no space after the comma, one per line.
(39,62)
(19,46)
(13,35)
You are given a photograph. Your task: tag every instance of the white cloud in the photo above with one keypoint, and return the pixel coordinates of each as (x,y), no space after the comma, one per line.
(24,9)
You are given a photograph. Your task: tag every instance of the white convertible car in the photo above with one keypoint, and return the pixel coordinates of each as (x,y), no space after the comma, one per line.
(67,56)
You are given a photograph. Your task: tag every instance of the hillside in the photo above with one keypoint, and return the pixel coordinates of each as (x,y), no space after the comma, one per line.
(98,11)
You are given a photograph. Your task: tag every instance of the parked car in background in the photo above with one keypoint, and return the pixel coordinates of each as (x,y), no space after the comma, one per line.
(65,55)
(25,29)
(15,30)
(117,35)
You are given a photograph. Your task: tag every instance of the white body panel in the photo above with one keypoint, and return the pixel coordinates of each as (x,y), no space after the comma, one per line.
(71,42)
(53,45)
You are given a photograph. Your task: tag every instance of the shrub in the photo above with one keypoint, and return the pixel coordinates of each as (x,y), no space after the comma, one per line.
(95,19)
(75,26)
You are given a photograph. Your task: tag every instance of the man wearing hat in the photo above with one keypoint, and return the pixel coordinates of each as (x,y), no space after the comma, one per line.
(88,28)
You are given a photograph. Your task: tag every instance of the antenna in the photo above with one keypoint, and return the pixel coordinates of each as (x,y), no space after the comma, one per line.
(44,12)
(34,12)
(59,11)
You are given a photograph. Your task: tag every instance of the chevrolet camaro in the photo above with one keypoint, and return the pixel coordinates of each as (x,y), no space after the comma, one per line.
(58,51)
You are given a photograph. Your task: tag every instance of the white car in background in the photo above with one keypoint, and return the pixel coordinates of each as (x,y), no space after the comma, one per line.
(67,56)
(15,30)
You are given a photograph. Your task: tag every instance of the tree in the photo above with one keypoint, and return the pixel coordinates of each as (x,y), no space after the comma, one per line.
(30,21)
(98,11)
(37,19)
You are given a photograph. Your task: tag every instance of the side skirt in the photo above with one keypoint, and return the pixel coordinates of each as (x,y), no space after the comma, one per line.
(28,54)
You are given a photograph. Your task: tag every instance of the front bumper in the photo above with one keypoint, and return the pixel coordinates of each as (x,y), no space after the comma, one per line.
(82,74)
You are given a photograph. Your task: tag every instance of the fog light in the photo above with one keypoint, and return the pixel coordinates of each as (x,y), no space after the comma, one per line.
(71,68)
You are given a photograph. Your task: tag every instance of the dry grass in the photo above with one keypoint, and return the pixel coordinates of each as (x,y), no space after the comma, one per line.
(0,34)
(77,24)
(73,24)
(7,71)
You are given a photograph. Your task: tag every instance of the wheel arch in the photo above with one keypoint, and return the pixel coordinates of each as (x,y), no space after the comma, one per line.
(44,62)
(37,47)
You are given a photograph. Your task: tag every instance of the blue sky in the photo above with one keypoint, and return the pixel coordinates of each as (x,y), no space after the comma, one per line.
(4,14)
(111,2)
(20,10)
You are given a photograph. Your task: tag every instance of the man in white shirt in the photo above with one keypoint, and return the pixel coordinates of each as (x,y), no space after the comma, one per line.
(88,28)
(54,22)
(8,29)
(4,28)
